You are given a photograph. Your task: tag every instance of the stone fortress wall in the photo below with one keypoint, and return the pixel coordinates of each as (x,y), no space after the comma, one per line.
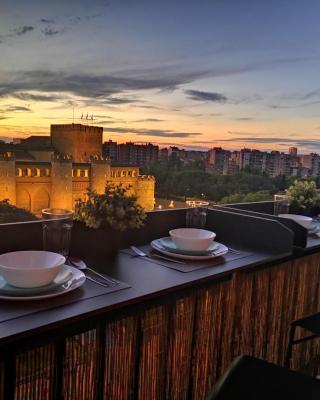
(58,183)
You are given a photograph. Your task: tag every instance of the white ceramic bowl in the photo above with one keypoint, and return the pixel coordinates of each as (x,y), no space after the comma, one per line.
(192,239)
(300,219)
(28,269)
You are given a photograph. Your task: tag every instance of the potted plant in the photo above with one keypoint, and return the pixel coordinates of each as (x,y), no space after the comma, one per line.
(102,217)
(304,197)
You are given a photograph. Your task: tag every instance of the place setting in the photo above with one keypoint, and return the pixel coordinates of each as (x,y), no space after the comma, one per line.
(186,250)
(311,224)
(37,275)
(43,274)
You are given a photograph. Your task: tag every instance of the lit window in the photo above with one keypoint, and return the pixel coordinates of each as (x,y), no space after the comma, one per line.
(37,172)
(28,172)
(78,172)
(19,171)
(86,173)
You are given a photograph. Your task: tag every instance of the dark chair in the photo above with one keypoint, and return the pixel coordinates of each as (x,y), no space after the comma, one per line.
(253,379)
(312,324)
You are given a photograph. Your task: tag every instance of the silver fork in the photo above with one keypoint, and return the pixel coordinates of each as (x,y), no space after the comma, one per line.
(141,253)
(82,266)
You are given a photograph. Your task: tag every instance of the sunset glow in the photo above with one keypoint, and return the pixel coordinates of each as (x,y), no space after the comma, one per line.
(192,74)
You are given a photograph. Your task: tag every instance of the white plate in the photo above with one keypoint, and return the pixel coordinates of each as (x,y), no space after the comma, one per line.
(220,251)
(77,279)
(168,244)
(314,228)
(63,276)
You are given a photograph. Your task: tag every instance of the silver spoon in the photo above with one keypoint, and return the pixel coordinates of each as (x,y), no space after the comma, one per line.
(82,266)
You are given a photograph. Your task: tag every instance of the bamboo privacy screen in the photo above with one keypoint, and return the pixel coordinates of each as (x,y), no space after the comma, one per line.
(178,349)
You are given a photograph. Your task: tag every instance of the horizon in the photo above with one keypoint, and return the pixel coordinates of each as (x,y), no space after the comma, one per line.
(194,75)
(9,140)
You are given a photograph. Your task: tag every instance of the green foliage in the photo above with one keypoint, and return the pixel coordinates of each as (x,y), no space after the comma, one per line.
(116,208)
(303,194)
(261,195)
(174,179)
(10,213)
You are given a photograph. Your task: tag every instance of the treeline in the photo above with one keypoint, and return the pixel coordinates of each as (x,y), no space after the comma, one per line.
(175,179)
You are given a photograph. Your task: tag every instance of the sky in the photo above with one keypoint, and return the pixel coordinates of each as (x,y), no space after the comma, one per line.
(197,74)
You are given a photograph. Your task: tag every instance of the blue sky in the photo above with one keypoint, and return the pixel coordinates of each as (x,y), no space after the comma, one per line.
(192,73)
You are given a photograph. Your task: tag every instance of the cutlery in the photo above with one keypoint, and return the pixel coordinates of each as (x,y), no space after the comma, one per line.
(231,250)
(140,253)
(82,266)
(97,282)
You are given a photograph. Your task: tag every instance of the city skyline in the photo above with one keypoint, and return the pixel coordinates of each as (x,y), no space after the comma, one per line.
(191,74)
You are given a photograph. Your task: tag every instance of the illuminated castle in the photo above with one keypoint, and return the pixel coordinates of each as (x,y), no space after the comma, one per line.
(43,171)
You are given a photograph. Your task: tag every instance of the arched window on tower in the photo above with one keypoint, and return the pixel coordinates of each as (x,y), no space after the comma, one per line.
(19,172)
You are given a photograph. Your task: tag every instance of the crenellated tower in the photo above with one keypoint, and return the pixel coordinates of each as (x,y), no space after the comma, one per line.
(145,191)
(100,173)
(8,177)
(61,182)
(80,141)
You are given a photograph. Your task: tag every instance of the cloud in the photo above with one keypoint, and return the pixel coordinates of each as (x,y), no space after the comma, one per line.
(47,20)
(311,94)
(118,101)
(247,133)
(84,85)
(105,122)
(153,132)
(243,119)
(37,97)
(22,30)
(103,86)
(206,96)
(12,108)
(1,117)
(51,32)
(149,120)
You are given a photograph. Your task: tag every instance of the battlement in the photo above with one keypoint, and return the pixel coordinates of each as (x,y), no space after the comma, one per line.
(146,178)
(98,159)
(75,127)
(61,158)
(7,156)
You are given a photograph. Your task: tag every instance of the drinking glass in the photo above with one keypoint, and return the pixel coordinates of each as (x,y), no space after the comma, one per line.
(196,217)
(56,230)
(281,205)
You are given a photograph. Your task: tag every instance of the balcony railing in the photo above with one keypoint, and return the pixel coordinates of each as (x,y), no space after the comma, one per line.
(172,334)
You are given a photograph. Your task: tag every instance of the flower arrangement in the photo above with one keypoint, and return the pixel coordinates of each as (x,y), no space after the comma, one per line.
(115,208)
(303,194)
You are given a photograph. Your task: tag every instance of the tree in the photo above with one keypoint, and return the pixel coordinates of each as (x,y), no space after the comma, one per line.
(10,213)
